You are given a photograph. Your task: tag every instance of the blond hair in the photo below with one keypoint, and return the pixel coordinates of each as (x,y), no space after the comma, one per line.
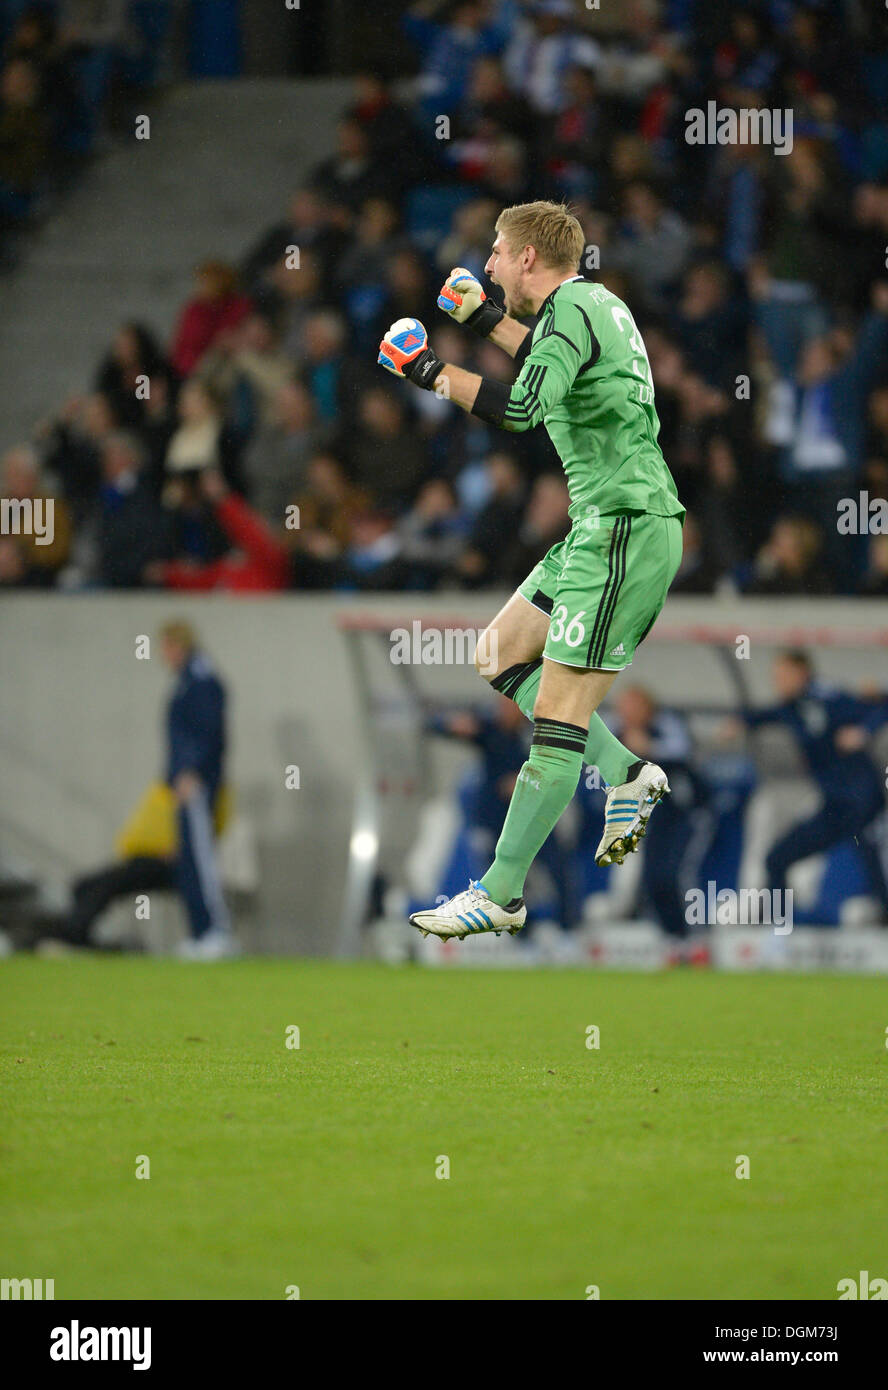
(550,228)
(180,633)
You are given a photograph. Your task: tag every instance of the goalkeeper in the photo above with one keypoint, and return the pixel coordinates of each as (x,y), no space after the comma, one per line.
(577,619)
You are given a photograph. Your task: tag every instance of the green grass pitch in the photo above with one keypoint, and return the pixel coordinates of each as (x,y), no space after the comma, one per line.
(569,1166)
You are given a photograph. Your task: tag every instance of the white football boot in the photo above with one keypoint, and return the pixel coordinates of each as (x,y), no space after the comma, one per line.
(216,944)
(626,813)
(469,914)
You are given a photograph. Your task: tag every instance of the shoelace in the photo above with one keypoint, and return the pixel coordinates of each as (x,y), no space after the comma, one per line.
(473,916)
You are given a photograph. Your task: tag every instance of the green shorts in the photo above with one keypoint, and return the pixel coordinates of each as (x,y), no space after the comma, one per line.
(603,587)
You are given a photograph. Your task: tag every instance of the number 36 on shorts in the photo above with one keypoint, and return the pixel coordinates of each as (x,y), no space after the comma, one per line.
(571,631)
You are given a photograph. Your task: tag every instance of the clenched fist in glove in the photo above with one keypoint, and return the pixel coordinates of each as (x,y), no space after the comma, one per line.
(463,299)
(405,351)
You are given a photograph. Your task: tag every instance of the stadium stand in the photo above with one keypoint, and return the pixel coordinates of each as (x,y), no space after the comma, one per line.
(757,278)
(252,306)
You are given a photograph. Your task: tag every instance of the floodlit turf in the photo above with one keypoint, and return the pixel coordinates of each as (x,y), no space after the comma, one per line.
(569,1166)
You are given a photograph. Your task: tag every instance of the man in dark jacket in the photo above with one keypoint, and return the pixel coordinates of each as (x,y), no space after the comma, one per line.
(132,528)
(196,750)
(832,729)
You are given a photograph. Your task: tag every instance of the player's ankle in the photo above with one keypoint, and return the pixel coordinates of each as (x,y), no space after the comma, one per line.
(508,905)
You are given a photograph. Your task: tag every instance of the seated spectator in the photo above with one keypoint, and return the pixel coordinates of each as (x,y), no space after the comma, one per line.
(875,477)
(505,174)
(33,35)
(652,246)
(710,325)
(807,218)
(245,372)
(406,284)
(373,545)
(485,559)
(307,228)
(875,581)
(73,443)
(668,369)
(430,537)
(256,561)
(42,551)
(92,36)
(702,412)
(216,306)
(132,530)
(579,135)
(384,123)
(636,61)
(387,458)
(545,522)
(352,175)
(276,458)
(362,272)
(197,538)
(24,139)
(35,38)
(491,105)
(697,573)
(451,35)
(13,563)
(296,292)
(478,139)
(133,365)
(819,62)
(877,412)
(544,47)
(327,506)
(748,59)
(157,427)
(469,240)
(631,160)
(324,368)
(789,563)
(817,418)
(725,505)
(865,239)
(201,439)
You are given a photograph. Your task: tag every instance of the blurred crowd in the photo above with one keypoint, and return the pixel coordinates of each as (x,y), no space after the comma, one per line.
(259,447)
(63,66)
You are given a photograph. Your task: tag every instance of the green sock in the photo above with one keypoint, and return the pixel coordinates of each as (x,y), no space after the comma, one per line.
(545,785)
(604,751)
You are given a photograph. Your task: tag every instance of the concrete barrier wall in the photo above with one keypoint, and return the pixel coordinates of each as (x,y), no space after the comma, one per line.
(81,720)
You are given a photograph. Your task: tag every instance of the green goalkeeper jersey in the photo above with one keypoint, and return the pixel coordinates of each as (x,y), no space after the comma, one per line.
(588,380)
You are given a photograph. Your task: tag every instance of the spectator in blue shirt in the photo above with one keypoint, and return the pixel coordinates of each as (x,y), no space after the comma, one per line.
(450,36)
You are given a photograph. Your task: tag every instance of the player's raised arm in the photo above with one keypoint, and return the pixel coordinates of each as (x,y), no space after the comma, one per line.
(405,352)
(463,300)
(547,374)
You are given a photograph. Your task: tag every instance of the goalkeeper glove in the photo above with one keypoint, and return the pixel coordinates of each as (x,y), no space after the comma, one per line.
(464,300)
(405,351)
